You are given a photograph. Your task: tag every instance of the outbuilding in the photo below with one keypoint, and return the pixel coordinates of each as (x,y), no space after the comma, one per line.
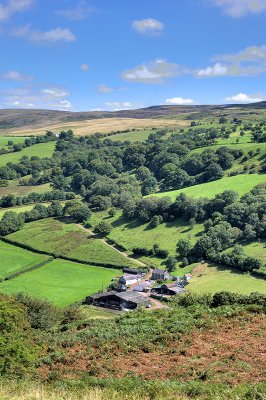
(160,274)
(118,301)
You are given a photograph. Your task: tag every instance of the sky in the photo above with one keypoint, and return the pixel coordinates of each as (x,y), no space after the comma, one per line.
(88,55)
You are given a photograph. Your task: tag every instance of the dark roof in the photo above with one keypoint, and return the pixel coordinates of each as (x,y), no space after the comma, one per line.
(132,271)
(159,271)
(128,296)
(132,296)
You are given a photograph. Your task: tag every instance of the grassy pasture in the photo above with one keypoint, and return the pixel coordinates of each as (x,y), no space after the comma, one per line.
(17,190)
(41,150)
(240,183)
(137,136)
(68,239)
(13,259)
(104,125)
(18,209)
(15,139)
(212,279)
(131,234)
(61,282)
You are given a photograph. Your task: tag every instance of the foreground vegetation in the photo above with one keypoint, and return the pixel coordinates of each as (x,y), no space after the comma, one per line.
(184,351)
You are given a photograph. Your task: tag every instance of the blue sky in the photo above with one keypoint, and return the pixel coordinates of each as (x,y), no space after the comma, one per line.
(121,54)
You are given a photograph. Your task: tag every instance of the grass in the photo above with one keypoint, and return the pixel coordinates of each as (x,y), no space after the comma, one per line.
(137,136)
(212,279)
(242,184)
(70,240)
(61,282)
(13,259)
(257,250)
(41,150)
(18,190)
(15,139)
(18,209)
(131,234)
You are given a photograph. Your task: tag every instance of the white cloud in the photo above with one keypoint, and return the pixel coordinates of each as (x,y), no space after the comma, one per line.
(179,101)
(120,105)
(148,26)
(15,76)
(240,8)
(216,70)
(245,98)
(52,36)
(153,72)
(13,6)
(249,54)
(105,89)
(84,67)
(55,92)
(81,11)
(63,105)
(34,96)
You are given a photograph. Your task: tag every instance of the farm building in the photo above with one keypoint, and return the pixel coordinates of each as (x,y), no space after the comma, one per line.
(171,289)
(118,301)
(143,287)
(131,271)
(129,279)
(160,274)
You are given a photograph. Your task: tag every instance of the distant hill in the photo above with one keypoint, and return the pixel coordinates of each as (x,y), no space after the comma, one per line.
(12,119)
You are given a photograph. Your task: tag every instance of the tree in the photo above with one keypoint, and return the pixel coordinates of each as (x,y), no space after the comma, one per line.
(77,210)
(103,228)
(170,264)
(112,212)
(184,247)
(155,221)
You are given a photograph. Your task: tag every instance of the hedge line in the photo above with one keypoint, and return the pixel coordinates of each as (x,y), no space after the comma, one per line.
(36,266)
(60,256)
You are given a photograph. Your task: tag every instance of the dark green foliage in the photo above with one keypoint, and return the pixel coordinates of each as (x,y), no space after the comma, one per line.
(18,352)
(40,313)
(184,247)
(77,210)
(103,228)
(170,264)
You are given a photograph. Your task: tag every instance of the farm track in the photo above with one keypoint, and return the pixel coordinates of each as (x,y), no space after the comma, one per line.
(112,247)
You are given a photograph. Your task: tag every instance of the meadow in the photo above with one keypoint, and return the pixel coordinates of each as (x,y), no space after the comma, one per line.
(68,239)
(61,282)
(19,190)
(41,150)
(19,209)
(212,279)
(132,234)
(242,184)
(15,139)
(14,259)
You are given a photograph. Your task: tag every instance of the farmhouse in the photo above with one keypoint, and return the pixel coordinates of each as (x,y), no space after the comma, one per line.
(160,274)
(118,301)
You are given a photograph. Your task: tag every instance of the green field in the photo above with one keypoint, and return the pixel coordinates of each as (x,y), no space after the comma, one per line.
(41,150)
(15,139)
(14,259)
(240,183)
(70,240)
(61,282)
(131,234)
(18,209)
(137,136)
(217,279)
(18,190)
